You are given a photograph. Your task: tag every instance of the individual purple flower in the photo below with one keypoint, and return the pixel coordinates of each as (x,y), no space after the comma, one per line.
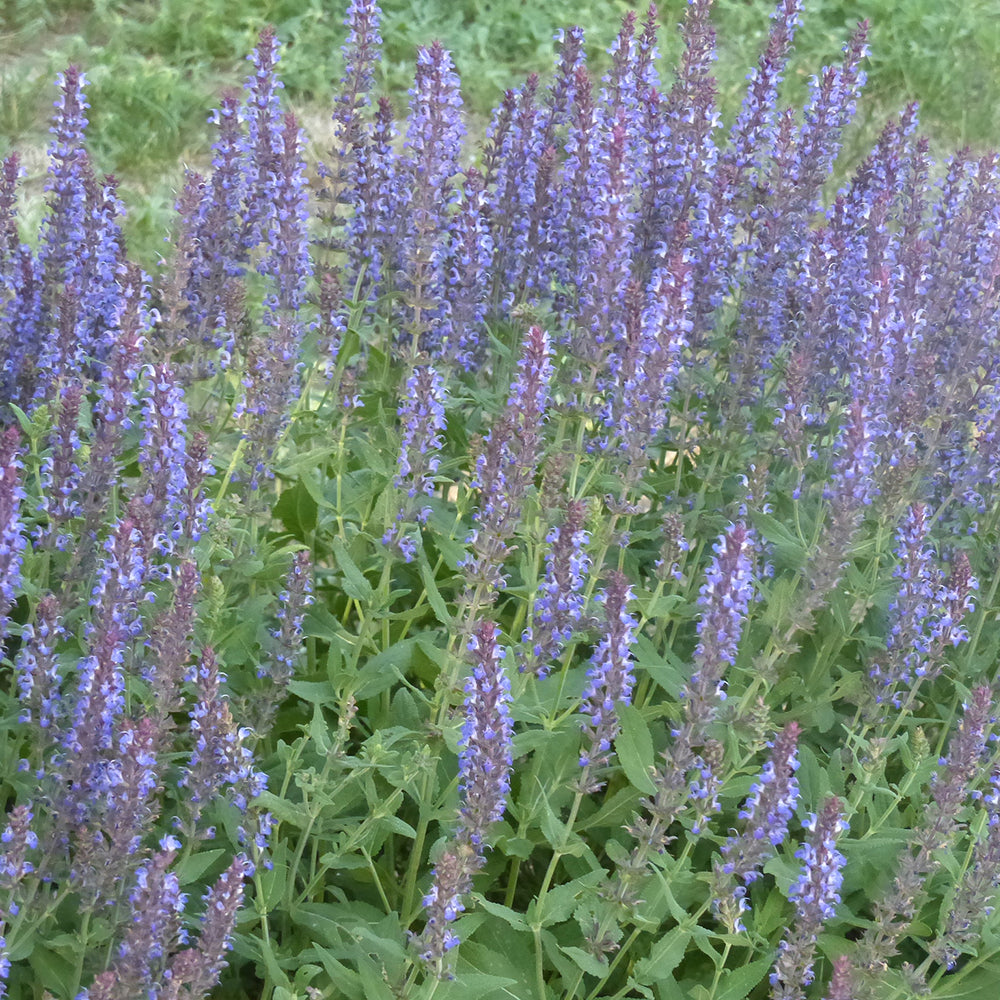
(12,539)
(485,758)
(611,676)
(766,814)
(560,599)
(815,895)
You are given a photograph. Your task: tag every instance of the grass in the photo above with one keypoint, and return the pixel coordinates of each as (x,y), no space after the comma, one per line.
(156,68)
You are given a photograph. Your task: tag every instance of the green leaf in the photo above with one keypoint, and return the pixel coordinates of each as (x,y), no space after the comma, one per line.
(373,980)
(789,551)
(355,583)
(434,598)
(584,960)
(560,901)
(505,913)
(635,749)
(345,980)
(196,865)
(736,984)
(663,958)
(314,692)
(383,670)
(285,811)
(320,623)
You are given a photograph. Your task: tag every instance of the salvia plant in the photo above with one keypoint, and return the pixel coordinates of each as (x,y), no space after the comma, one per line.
(544,567)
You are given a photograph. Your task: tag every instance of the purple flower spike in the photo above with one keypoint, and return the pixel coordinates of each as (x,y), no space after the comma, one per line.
(163,454)
(926,616)
(815,895)
(723,600)
(60,470)
(362,52)
(262,145)
(294,600)
(16,840)
(468,273)
(611,676)
(560,600)
(132,808)
(220,758)
(485,759)
(155,931)
(507,466)
(422,414)
(754,131)
(12,540)
(434,136)
(975,898)
(766,815)
(37,667)
(199,968)
(379,205)
(484,781)
(450,881)
(951,787)
(63,230)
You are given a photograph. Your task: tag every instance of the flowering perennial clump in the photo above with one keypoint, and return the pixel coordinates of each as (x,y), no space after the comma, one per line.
(673,436)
